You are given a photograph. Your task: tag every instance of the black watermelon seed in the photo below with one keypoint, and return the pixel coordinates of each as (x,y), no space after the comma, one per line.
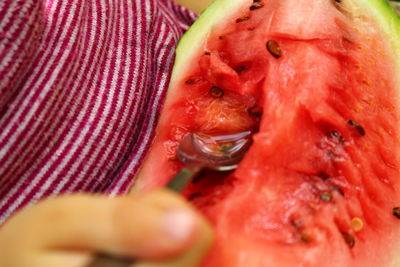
(241,19)
(190,81)
(336,136)
(199,177)
(216,92)
(256,5)
(349,239)
(194,196)
(174,158)
(207,53)
(326,196)
(256,111)
(274,49)
(221,37)
(239,69)
(358,127)
(297,224)
(337,189)
(323,176)
(396,212)
(193,81)
(332,154)
(306,238)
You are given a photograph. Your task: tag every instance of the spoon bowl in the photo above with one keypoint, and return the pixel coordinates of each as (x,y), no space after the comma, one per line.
(200,151)
(214,152)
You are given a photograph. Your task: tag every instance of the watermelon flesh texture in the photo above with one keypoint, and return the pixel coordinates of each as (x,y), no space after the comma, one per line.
(319,183)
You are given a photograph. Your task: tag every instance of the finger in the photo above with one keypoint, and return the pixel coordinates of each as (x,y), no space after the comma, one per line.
(126,226)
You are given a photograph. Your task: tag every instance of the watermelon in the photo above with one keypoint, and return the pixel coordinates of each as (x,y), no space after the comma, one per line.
(317,84)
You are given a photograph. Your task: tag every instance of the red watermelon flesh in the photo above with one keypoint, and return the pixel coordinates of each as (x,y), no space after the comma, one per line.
(316,81)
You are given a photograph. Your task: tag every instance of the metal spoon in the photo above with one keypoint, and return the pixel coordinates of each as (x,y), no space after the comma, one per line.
(200,151)
(197,151)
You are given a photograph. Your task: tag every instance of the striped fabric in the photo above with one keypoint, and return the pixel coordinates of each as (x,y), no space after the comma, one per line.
(81,86)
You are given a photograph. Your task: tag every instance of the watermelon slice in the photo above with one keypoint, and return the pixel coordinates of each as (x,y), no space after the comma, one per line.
(317,82)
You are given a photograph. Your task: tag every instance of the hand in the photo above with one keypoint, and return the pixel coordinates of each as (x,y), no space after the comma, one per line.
(156,229)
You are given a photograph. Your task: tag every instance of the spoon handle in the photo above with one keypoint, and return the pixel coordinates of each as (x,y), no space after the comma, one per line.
(182,178)
(109,261)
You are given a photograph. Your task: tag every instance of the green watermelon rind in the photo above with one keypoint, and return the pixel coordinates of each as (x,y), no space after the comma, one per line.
(387,19)
(221,10)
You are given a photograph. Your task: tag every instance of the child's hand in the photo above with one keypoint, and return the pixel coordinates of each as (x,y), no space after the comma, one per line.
(156,229)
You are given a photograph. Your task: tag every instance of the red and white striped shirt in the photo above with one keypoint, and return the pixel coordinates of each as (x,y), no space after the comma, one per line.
(81,86)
